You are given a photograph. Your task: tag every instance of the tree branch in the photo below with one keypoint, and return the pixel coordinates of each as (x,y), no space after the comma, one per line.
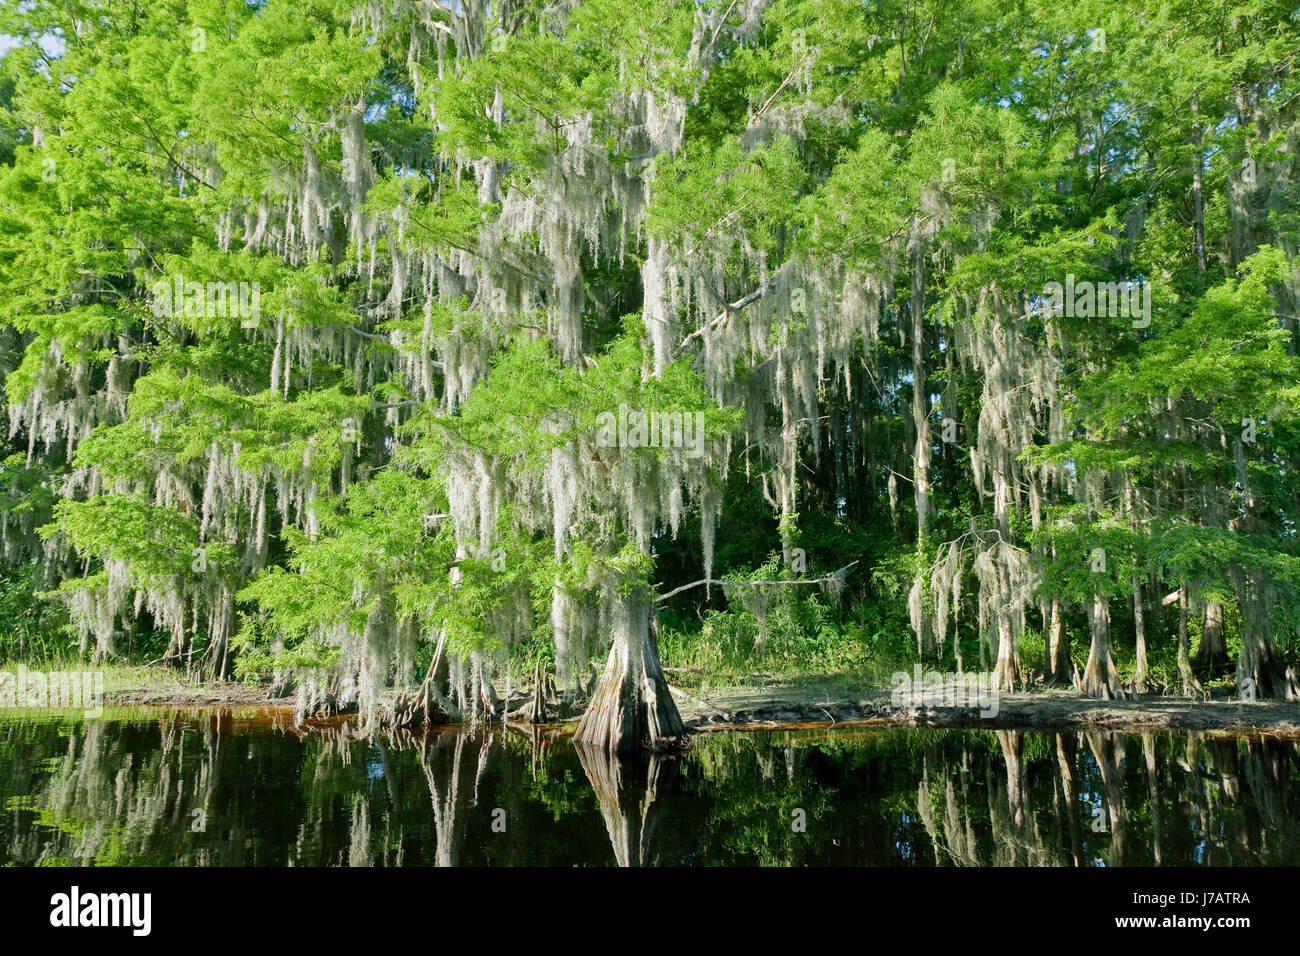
(836,575)
(721,318)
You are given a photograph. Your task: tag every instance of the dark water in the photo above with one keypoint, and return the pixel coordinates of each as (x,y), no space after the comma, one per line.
(126,791)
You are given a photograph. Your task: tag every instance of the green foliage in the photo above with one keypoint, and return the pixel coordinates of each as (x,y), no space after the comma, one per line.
(33,630)
(478,237)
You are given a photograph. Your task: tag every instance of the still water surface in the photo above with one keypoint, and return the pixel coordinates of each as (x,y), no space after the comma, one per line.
(246,788)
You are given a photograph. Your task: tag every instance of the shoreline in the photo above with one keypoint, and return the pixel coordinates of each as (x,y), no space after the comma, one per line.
(1043,711)
(812,703)
(823,704)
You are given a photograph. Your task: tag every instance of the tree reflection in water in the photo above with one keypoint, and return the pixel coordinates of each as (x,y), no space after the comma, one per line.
(628,789)
(251,789)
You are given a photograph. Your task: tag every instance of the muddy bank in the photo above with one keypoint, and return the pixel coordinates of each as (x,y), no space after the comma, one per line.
(814,703)
(162,688)
(764,708)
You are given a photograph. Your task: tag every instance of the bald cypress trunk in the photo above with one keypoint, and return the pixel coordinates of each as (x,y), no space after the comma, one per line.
(1140,637)
(1060,665)
(428,705)
(1006,671)
(921,453)
(535,711)
(1198,191)
(1191,686)
(1100,679)
(1260,671)
(1139,608)
(1212,653)
(631,708)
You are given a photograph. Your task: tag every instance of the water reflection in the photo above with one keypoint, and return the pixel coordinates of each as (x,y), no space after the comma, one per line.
(249,789)
(628,791)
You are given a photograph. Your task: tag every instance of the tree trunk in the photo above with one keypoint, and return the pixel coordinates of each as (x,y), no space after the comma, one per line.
(1140,637)
(492,703)
(1198,191)
(1060,665)
(536,710)
(1100,679)
(1212,653)
(1060,655)
(1260,673)
(1139,609)
(175,655)
(427,705)
(1006,670)
(921,453)
(631,707)
(1191,686)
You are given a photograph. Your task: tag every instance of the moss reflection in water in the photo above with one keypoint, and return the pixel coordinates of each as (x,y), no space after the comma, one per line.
(246,788)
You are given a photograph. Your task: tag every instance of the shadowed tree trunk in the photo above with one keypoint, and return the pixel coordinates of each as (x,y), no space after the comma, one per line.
(1212,653)
(1191,686)
(175,654)
(631,707)
(1260,672)
(1267,676)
